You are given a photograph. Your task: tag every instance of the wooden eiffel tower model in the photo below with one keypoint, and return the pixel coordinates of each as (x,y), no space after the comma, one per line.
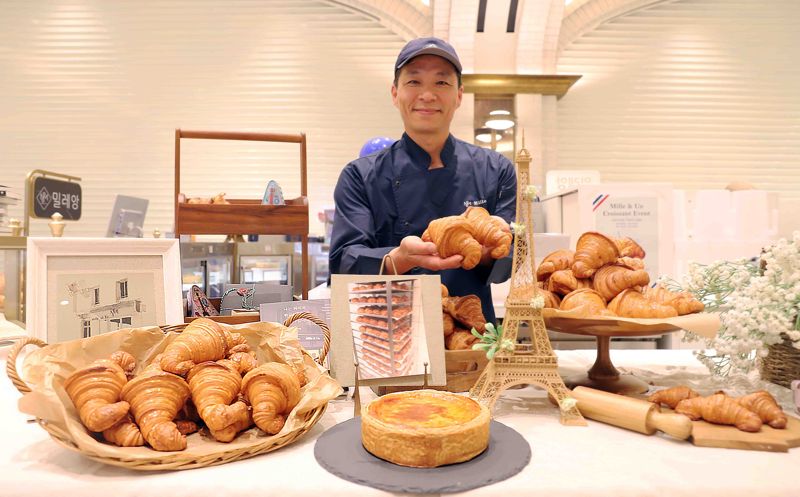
(535,363)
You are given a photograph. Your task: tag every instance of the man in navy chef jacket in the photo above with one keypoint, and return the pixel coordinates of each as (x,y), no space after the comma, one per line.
(385,201)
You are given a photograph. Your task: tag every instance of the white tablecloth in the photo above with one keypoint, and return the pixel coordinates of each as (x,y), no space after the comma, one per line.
(597,460)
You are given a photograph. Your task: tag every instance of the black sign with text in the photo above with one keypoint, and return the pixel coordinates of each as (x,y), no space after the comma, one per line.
(54,195)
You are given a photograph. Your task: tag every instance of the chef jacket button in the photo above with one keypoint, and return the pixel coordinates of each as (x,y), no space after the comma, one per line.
(405,223)
(396,183)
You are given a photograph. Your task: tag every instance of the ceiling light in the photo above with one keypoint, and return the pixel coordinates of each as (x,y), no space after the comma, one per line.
(484,137)
(500,113)
(500,123)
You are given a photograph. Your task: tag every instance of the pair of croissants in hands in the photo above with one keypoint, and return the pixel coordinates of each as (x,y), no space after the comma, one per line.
(459,316)
(197,379)
(747,413)
(468,234)
(605,276)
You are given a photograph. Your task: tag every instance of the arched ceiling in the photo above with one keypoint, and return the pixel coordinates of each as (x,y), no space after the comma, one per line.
(408,18)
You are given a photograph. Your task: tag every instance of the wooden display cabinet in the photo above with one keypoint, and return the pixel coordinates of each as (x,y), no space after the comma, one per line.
(245,216)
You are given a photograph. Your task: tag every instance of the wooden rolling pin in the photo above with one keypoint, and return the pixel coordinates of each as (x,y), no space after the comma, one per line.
(633,414)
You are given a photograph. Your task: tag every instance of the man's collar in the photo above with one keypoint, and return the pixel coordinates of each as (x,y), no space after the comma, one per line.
(422,159)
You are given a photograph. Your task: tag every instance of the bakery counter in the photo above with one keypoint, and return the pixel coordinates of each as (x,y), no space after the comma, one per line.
(596,460)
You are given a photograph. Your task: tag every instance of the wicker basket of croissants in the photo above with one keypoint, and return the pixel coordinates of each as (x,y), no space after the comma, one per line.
(178,397)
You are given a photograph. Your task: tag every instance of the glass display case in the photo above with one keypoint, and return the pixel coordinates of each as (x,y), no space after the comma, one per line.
(207,265)
(12,278)
(265,268)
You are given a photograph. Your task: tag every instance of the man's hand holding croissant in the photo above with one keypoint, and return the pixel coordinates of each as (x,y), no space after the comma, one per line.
(413,252)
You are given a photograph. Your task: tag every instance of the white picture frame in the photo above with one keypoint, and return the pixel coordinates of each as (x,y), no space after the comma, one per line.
(110,282)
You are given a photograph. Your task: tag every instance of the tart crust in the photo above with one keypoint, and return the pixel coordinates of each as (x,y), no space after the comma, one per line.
(425,428)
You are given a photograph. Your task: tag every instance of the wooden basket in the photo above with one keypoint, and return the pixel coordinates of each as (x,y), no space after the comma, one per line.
(177,460)
(463,368)
(782,365)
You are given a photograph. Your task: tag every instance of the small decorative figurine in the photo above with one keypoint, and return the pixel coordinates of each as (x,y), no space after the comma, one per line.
(16,227)
(156,233)
(57,225)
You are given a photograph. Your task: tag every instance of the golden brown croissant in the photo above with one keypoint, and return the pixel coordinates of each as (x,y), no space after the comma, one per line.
(563,282)
(243,361)
(720,409)
(490,232)
(683,302)
(671,396)
(447,324)
(629,248)
(95,391)
(273,390)
(555,261)
(126,361)
(445,292)
(593,251)
(630,262)
(632,304)
(528,292)
(202,340)
(765,406)
(124,434)
(466,310)
(155,398)
(460,339)
(185,426)
(214,388)
(454,235)
(610,280)
(588,301)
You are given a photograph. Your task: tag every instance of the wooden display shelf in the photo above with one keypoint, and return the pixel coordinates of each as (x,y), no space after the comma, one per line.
(244,217)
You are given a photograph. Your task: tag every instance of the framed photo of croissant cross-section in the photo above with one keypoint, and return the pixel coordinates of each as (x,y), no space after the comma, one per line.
(83,287)
(391,326)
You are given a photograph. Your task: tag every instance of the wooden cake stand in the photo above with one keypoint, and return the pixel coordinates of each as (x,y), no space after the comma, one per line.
(603,375)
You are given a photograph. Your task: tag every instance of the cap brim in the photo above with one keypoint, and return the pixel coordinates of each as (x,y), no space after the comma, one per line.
(434,51)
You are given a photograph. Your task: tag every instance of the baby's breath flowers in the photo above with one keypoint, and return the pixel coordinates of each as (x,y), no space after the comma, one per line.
(757,309)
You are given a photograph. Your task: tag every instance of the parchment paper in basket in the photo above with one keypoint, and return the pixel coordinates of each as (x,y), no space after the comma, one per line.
(705,324)
(45,371)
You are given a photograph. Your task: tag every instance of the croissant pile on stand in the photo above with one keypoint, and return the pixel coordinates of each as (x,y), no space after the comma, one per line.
(459,316)
(605,276)
(468,234)
(747,413)
(206,376)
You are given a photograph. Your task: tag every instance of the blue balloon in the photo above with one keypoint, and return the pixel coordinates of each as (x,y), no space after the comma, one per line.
(375,144)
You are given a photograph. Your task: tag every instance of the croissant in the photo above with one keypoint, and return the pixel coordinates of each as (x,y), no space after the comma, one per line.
(632,304)
(563,281)
(720,409)
(460,339)
(273,390)
(466,310)
(588,301)
(185,426)
(593,251)
(243,361)
(155,398)
(629,248)
(447,324)
(124,434)
(454,235)
(202,340)
(630,262)
(489,231)
(445,292)
(95,391)
(214,388)
(671,396)
(528,292)
(765,406)
(611,280)
(682,302)
(126,361)
(555,261)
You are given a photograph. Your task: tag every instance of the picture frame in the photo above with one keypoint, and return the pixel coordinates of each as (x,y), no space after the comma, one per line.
(390,351)
(81,287)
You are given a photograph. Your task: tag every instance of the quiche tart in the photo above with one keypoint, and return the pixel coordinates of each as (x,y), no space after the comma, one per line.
(425,428)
